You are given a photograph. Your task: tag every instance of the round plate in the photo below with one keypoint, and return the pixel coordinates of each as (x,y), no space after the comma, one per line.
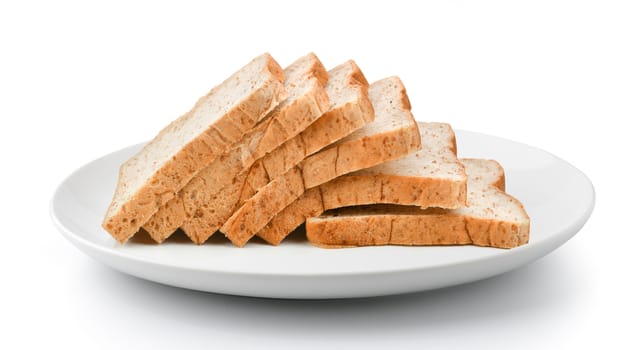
(557,196)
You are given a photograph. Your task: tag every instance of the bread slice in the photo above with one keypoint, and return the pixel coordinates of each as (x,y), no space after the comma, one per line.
(431,177)
(350,108)
(493,219)
(168,162)
(307,100)
(393,134)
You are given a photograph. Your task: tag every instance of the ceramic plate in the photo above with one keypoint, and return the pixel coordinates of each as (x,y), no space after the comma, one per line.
(557,196)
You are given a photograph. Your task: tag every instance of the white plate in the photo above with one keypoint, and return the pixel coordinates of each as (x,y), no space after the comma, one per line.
(558,198)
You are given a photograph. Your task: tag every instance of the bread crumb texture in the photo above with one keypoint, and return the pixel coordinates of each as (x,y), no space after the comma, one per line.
(492,219)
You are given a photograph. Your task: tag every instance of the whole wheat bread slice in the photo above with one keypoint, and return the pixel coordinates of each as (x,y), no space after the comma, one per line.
(393,134)
(492,219)
(350,109)
(430,177)
(168,162)
(307,100)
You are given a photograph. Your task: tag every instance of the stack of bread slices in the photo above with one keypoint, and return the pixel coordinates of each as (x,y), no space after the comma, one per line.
(271,149)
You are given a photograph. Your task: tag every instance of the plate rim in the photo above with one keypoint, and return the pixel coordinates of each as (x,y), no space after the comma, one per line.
(564,234)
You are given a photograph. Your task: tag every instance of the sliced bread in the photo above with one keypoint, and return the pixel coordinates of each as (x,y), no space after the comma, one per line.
(492,219)
(307,100)
(430,177)
(168,162)
(393,134)
(350,108)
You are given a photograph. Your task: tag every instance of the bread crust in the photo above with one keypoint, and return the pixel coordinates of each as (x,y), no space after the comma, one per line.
(310,204)
(372,187)
(345,156)
(282,123)
(360,154)
(124,219)
(385,225)
(278,167)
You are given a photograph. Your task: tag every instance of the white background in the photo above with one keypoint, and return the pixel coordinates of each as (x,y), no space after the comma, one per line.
(80,80)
